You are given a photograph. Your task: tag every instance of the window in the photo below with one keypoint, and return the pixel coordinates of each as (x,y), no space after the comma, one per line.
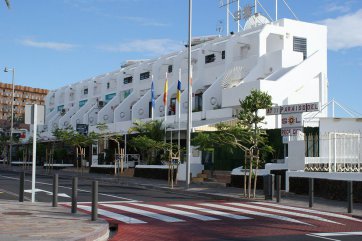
(108,85)
(82,102)
(300,45)
(172,107)
(144,75)
(209,58)
(128,80)
(223,54)
(169,69)
(198,102)
(85,91)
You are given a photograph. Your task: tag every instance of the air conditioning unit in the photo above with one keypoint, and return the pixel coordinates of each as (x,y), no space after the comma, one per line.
(101,103)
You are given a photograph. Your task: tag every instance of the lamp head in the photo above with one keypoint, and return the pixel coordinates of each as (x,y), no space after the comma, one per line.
(6,69)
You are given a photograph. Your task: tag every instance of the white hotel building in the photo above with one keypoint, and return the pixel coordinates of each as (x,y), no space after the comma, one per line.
(286,58)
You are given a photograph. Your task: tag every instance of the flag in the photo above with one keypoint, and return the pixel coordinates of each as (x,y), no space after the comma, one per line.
(178,96)
(165,93)
(152,95)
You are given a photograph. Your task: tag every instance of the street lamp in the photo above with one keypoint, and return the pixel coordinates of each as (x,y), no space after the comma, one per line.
(189,99)
(12,111)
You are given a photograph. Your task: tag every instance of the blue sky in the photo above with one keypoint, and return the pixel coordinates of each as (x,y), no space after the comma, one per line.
(52,43)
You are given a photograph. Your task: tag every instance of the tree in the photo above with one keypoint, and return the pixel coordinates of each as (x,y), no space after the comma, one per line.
(246,135)
(149,141)
(117,138)
(149,138)
(77,140)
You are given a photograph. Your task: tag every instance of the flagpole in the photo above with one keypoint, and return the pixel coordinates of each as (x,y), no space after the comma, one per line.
(179,115)
(189,101)
(165,104)
(152,98)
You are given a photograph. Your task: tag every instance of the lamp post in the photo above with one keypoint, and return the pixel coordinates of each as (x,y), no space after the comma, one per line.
(189,100)
(12,111)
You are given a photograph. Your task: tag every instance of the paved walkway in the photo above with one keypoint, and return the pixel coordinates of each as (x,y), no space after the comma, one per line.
(38,221)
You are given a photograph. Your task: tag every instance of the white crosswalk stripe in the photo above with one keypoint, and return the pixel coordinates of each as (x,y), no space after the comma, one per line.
(176,211)
(113,215)
(268,215)
(214,212)
(171,212)
(161,217)
(302,215)
(335,215)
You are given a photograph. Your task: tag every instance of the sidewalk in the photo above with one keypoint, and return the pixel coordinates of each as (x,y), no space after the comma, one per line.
(207,190)
(39,221)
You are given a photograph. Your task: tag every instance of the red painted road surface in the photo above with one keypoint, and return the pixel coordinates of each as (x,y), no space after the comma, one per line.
(219,220)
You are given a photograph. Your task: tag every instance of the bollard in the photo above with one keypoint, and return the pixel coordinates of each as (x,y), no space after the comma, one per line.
(311,192)
(350,196)
(278,186)
(94,200)
(268,183)
(22,184)
(74,194)
(55,190)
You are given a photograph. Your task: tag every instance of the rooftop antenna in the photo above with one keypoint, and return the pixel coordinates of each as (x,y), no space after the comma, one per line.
(219,26)
(286,4)
(236,16)
(247,12)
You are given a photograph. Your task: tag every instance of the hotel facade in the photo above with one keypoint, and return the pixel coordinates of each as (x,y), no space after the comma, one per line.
(286,58)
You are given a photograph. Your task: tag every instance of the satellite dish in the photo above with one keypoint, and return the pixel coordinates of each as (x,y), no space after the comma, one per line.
(255,21)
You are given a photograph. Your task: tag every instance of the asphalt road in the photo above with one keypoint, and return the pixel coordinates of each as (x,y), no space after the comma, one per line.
(143,214)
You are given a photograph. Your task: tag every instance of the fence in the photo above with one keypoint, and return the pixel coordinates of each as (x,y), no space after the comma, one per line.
(337,152)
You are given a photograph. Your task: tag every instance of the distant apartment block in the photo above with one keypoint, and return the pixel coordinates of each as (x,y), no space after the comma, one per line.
(23,95)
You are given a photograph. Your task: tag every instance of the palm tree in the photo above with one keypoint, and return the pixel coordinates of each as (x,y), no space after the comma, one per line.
(7,3)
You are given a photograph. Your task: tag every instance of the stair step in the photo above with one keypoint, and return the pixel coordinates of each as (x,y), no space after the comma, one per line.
(202,175)
(197,179)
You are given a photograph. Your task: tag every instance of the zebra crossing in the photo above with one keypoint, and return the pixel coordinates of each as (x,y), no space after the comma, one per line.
(146,213)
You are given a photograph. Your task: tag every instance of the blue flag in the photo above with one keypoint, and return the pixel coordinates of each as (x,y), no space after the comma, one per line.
(153,96)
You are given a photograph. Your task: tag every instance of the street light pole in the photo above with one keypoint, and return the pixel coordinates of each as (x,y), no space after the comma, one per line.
(12,112)
(189,100)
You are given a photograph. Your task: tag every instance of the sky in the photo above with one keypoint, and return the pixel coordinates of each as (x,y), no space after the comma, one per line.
(52,43)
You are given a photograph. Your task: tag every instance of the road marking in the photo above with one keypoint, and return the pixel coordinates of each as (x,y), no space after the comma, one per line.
(111,202)
(315,236)
(268,215)
(338,234)
(176,211)
(47,192)
(69,188)
(214,212)
(302,215)
(336,215)
(116,216)
(145,213)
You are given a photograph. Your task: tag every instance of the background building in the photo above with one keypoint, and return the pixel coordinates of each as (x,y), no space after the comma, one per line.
(23,95)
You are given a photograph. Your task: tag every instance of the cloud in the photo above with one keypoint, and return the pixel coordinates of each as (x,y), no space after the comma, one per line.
(344,31)
(148,46)
(96,7)
(145,21)
(333,6)
(47,45)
